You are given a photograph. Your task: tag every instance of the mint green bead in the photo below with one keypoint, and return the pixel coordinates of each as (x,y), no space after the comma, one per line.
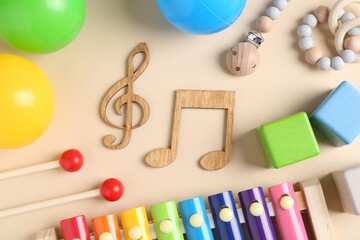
(310,20)
(347,16)
(273,12)
(304,31)
(306,43)
(324,63)
(337,63)
(348,55)
(280,4)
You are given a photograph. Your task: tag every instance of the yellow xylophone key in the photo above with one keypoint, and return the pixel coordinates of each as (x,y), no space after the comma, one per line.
(135,224)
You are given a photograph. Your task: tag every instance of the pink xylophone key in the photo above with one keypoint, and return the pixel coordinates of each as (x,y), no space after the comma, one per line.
(287,212)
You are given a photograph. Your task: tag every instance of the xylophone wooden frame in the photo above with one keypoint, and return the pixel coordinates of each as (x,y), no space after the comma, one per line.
(311,201)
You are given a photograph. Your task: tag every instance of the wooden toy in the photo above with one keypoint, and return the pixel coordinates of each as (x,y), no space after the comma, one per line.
(111,190)
(195,219)
(46,234)
(70,160)
(314,55)
(287,212)
(310,200)
(347,28)
(350,26)
(347,185)
(105,227)
(204,99)
(243,58)
(127,100)
(288,140)
(225,216)
(257,215)
(338,116)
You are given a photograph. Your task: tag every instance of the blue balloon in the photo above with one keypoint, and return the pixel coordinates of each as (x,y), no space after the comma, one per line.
(201,16)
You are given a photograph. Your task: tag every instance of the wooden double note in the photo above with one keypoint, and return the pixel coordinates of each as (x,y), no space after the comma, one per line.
(203,99)
(126,100)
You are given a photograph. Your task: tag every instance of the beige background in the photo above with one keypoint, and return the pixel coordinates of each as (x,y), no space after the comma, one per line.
(82,72)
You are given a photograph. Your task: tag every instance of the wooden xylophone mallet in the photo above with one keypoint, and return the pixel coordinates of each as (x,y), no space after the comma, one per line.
(197,223)
(111,190)
(70,160)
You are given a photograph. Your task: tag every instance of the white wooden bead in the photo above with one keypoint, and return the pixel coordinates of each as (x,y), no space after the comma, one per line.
(135,233)
(352,43)
(256,209)
(166,226)
(313,55)
(287,202)
(304,31)
(347,16)
(196,220)
(305,43)
(310,20)
(348,55)
(105,236)
(273,12)
(280,4)
(324,63)
(337,63)
(264,24)
(322,13)
(226,214)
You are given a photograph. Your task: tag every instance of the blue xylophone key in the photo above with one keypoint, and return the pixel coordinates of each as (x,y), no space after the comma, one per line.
(256,213)
(195,219)
(226,219)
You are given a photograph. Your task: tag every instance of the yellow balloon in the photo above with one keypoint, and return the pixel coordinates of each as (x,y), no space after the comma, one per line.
(26,101)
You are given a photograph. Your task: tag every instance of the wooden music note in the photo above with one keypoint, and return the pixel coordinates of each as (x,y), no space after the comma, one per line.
(126,100)
(204,99)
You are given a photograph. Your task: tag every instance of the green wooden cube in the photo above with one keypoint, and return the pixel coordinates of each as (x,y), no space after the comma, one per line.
(288,140)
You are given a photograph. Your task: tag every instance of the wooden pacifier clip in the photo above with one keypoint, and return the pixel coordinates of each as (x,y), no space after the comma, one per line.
(243,58)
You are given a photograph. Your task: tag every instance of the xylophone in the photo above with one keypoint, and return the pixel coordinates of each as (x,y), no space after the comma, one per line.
(249,219)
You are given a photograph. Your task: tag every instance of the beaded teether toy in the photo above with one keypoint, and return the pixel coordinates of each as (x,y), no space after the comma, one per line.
(243,58)
(350,26)
(314,55)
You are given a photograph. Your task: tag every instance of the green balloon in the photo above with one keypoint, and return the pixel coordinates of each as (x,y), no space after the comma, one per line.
(40,26)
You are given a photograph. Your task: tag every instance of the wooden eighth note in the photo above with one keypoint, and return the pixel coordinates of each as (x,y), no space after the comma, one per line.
(202,99)
(126,100)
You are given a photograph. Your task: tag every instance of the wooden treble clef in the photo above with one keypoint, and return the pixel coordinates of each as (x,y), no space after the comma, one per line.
(126,100)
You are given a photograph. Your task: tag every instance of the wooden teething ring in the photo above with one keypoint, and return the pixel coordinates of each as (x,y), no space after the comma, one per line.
(335,11)
(340,34)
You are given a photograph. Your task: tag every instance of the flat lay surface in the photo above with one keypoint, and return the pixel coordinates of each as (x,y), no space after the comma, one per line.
(82,73)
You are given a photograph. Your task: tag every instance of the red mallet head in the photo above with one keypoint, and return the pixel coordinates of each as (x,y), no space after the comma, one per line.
(112,189)
(71,160)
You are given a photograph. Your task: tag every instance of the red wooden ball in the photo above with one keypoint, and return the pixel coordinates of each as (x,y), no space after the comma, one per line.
(71,160)
(112,189)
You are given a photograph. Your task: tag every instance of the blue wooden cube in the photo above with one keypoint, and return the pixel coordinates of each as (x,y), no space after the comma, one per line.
(338,116)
